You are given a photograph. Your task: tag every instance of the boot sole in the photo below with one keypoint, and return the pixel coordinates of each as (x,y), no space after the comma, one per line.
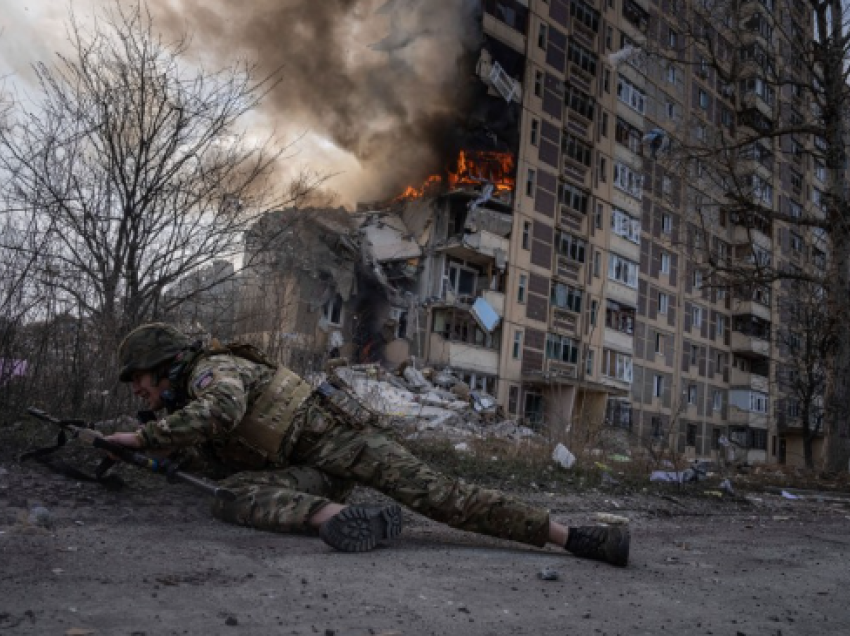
(360,528)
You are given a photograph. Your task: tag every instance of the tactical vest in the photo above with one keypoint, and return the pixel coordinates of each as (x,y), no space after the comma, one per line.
(257,439)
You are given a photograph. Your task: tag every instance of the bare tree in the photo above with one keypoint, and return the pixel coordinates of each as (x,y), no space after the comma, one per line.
(806,337)
(134,167)
(756,108)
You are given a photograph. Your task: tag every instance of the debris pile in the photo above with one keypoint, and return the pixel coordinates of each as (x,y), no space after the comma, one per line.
(428,403)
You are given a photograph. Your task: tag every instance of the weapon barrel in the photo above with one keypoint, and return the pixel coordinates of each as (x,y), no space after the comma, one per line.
(129,456)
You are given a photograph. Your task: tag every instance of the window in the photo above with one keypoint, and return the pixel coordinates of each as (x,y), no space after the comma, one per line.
(580,102)
(535,132)
(623,271)
(602,171)
(581,57)
(758,402)
(796,242)
(631,95)
(717,400)
(542,35)
(585,14)
(575,149)
(619,317)
(659,343)
(520,292)
(562,348)
(333,311)
(670,110)
(795,209)
(691,435)
(665,263)
(628,136)
(692,394)
(697,280)
(603,126)
(594,308)
(526,235)
(657,427)
(597,218)
(597,264)
(697,316)
(573,197)
(820,170)
(538,83)
(796,180)
(517,348)
(588,364)
(628,180)
(721,326)
(672,39)
(566,297)
(626,226)
(461,280)
(400,317)
(759,87)
(513,399)
(617,365)
(570,246)
(657,385)
(530,180)
(663,303)
(666,224)
(759,439)
(672,74)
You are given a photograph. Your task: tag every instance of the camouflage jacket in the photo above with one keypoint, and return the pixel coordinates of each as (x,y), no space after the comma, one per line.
(219,388)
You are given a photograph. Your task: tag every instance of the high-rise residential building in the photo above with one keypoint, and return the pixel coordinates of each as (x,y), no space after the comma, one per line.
(615,315)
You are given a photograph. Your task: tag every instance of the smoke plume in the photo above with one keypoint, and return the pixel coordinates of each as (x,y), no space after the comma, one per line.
(380,79)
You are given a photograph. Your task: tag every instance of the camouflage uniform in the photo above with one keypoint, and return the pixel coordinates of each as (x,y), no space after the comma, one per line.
(322,455)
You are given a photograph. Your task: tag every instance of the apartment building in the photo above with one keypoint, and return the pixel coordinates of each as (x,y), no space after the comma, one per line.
(615,310)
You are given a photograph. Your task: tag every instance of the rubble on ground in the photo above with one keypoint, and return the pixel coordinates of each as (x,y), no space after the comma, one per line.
(430,404)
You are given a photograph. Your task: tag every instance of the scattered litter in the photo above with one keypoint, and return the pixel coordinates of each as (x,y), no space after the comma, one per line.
(726,486)
(563,457)
(713,493)
(548,574)
(462,447)
(788,495)
(613,520)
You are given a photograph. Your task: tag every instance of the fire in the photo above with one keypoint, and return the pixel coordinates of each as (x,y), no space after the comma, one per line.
(484,166)
(473,168)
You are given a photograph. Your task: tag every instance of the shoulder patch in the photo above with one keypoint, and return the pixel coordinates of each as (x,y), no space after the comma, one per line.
(204,380)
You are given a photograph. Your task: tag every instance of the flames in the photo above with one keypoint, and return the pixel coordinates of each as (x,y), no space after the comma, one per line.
(473,168)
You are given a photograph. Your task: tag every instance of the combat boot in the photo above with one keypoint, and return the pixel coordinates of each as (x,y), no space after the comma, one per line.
(602,543)
(360,528)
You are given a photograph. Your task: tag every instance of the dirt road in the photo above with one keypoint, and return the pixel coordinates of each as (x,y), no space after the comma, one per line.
(150,560)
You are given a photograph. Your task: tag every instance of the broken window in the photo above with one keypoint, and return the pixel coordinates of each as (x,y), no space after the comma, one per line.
(458,325)
(333,311)
(580,102)
(460,279)
(619,317)
(617,365)
(570,246)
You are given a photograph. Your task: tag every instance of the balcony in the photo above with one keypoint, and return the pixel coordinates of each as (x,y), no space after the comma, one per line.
(741,417)
(563,321)
(748,345)
(462,355)
(748,379)
(568,268)
(480,247)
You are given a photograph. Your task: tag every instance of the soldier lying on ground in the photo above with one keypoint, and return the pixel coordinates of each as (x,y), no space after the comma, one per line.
(292,454)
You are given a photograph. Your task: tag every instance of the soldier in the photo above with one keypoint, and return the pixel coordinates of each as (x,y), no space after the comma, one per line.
(291,453)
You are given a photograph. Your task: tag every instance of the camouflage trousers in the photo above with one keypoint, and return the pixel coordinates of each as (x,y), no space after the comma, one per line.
(331,456)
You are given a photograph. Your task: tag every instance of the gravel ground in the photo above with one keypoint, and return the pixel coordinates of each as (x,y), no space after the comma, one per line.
(150,560)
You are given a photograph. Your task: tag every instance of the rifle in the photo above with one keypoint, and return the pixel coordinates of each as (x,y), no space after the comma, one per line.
(76,429)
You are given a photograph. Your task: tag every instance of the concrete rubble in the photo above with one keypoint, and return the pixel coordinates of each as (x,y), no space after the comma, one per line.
(428,404)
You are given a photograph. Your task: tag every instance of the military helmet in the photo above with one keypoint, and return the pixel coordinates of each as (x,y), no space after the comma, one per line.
(148,346)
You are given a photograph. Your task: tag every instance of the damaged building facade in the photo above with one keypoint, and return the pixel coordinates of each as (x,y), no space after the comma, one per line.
(550,264)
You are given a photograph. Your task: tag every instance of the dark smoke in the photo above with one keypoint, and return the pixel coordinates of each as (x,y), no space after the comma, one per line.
(383,80)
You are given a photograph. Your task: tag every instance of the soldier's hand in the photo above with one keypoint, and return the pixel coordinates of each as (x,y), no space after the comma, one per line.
(130,440)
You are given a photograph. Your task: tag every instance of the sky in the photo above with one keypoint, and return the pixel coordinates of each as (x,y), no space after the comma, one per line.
(366,84)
